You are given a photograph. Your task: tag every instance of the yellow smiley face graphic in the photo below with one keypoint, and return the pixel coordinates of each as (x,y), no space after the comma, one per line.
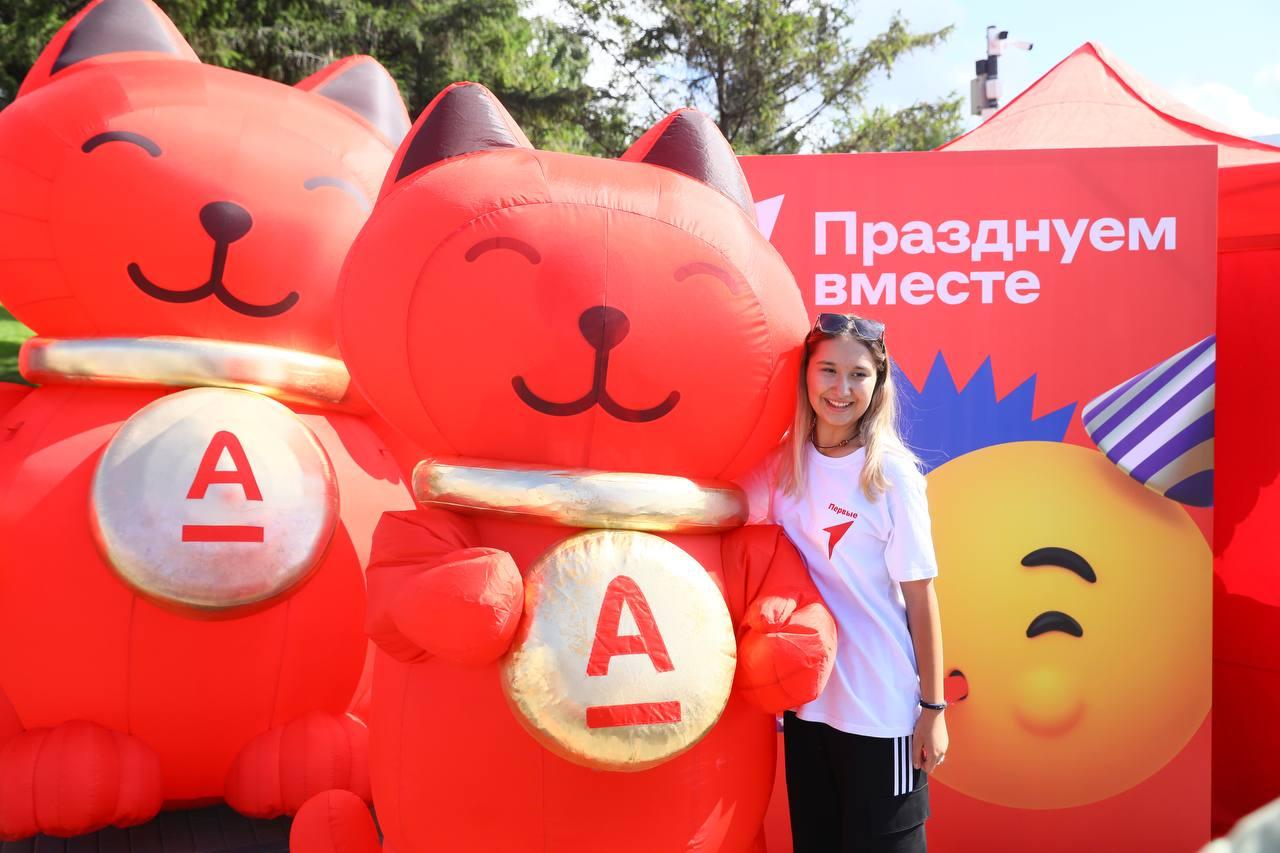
(1076,608)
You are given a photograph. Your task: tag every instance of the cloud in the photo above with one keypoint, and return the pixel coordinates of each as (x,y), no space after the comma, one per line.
(1269,76)
(1227,106)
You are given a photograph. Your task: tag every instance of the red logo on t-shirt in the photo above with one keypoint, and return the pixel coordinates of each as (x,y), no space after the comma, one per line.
(837,532)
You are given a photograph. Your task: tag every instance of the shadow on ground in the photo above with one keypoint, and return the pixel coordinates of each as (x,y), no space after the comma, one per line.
(216,828)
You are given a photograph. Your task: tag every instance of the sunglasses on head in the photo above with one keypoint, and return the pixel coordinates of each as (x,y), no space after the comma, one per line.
(839,324)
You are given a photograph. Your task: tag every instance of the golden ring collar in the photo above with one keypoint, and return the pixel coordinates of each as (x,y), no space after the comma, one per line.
(580,497)
(286,375)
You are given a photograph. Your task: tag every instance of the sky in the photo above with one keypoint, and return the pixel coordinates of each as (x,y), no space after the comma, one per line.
(1220,58)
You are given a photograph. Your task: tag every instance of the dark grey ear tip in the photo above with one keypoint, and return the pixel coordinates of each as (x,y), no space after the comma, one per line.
(464,118)
(693,145)
(115,26)
(367,89)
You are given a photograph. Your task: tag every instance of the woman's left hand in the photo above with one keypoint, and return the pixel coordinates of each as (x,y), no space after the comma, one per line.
(930,741)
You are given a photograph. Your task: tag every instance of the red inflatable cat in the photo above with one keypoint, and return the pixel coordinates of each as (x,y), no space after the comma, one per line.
(187,501)
(589,653)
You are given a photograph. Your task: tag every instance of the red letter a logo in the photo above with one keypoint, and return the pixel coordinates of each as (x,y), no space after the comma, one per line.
(208,474)
(623,589)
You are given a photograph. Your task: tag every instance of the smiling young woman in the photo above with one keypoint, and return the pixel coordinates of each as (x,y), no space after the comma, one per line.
(850,496)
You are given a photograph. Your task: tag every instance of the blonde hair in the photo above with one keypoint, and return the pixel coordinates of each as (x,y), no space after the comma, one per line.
(878,429)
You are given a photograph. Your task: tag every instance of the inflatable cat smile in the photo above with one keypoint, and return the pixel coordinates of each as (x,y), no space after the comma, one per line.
(187,500)
(581,647)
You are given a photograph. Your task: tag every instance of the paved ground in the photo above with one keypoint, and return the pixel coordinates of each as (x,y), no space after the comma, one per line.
(215,828)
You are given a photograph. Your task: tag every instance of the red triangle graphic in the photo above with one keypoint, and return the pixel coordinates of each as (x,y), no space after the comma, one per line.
(837,533)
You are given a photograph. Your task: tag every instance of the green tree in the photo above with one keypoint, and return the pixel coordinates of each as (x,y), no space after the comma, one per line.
(25,27)
(778,76)
(919,127)
(535,67)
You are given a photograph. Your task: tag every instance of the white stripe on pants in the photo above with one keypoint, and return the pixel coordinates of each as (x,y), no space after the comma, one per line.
(902,769)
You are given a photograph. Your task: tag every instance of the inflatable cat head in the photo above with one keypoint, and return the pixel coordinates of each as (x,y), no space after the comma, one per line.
(513,304)
(145,193)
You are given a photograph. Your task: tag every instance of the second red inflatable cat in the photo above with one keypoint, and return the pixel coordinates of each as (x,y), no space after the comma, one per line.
(581,649)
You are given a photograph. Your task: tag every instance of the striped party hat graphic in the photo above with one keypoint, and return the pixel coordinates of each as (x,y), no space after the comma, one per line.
(1158,426)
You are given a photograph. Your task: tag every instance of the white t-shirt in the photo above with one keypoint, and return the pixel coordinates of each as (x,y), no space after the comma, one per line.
(858,552)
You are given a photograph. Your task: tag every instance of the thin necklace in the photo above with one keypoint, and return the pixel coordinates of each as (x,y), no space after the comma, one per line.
(813,436)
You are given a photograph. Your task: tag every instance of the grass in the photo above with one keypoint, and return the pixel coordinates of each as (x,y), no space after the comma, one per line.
(12,334)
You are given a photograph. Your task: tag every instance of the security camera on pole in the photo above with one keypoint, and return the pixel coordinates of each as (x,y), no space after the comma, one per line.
(984,89)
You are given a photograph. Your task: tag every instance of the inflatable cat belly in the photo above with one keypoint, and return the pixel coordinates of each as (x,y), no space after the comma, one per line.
(581,648)
(188,498)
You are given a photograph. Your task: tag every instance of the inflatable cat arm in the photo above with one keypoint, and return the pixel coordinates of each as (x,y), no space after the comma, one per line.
(435,591)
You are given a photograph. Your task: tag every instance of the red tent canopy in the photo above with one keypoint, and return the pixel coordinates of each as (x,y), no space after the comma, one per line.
(1093,100)
(1089,100)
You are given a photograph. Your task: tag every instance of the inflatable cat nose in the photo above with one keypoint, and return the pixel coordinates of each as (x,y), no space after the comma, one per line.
(1158,426)
(604,327)
(225,221)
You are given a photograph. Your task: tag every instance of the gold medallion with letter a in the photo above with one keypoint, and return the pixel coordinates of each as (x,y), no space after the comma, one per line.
(625,654)
(212,500)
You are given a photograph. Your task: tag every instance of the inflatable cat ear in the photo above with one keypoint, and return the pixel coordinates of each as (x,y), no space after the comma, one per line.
(108,31)
(690,143)
(361,85)
(1158,426)
(463,119)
